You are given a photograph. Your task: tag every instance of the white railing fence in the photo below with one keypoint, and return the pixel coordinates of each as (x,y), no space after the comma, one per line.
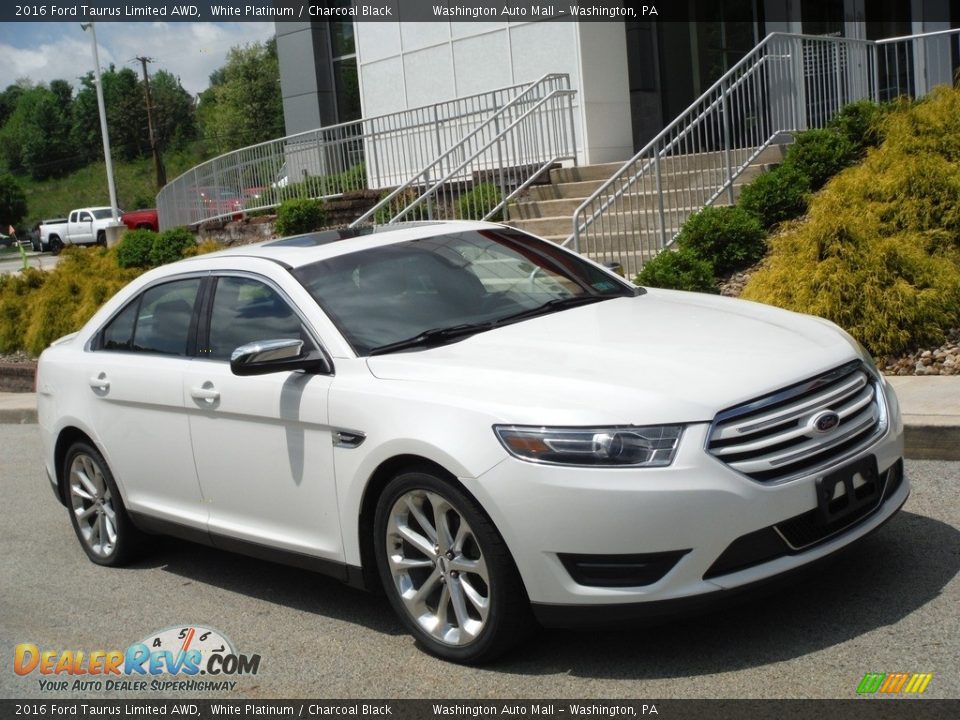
(379,152)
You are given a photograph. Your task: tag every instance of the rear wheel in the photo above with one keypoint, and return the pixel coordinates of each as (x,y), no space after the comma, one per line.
(96,509)
(56,244)
(102,238)
(447,572)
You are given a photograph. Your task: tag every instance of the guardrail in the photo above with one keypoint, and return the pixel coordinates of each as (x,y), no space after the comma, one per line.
(493,163)
(787,83)
(379,152)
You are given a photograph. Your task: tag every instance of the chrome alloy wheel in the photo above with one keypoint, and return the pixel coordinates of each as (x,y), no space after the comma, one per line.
(92,505)
(438,567)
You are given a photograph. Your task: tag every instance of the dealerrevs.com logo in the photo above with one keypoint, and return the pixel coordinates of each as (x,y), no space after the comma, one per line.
(894,683)
(184,652)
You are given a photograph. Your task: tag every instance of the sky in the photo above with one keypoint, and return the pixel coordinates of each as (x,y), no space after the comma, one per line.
(47,51)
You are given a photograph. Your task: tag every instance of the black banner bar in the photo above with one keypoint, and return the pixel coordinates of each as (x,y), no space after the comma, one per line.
(446,11)
(860,709)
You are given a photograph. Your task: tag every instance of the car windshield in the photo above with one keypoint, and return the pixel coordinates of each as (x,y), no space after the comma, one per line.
(426,292)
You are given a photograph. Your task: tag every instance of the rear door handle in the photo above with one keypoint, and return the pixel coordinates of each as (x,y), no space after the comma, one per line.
(205,394)
(100,382)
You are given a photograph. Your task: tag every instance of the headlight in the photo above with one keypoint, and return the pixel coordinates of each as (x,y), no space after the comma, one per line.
(651,446)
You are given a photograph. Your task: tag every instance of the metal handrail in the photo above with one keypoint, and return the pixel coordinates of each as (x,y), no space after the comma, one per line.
(424,175)
(392,146)
(788,82)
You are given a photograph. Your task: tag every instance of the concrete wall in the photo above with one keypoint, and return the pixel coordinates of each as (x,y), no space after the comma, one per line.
(405,65)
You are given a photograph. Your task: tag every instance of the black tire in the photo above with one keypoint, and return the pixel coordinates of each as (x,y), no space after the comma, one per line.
(101,238)
(128,540)
(56,244)
(508,620)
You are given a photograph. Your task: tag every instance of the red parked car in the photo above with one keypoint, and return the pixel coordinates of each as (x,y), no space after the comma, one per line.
(141,220)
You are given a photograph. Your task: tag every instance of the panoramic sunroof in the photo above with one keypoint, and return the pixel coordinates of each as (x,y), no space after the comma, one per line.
(320,238)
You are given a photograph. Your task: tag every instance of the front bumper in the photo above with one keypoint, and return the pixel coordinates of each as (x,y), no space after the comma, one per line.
(688,515)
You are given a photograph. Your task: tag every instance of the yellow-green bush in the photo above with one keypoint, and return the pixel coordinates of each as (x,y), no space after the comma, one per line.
(38,307)
(16,297)
(84,279)
(879,250)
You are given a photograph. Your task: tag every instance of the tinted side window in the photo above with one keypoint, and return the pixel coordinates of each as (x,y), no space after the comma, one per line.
(118,335)
(158,321)
(246,310)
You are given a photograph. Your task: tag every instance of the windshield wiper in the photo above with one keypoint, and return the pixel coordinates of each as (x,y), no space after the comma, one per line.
(433,337)
(555,304)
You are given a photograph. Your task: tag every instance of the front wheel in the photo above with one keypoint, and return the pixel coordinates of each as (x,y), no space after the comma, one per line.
(96,509)
(447,572)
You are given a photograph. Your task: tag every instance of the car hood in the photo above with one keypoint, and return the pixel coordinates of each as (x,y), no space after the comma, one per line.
(660,357)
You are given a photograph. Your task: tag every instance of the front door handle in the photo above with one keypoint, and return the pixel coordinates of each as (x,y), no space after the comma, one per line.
(99,383)
(206,394)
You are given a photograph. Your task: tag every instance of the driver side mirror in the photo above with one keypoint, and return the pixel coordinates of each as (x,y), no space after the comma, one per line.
(270,356)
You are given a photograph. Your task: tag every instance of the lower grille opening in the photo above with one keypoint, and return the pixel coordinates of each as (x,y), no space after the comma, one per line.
(620,570)
(801,532)
(894,479)
(748,550)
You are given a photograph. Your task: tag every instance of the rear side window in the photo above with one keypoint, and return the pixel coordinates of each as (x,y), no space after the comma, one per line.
(157,321)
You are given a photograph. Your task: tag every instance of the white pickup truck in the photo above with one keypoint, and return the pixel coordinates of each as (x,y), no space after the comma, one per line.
(84,226)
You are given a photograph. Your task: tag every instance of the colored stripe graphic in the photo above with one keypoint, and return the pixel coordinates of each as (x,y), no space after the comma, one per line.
(894,683)
(918,683)
(871,683)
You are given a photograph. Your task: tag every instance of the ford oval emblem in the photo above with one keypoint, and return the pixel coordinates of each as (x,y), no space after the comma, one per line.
(824,422)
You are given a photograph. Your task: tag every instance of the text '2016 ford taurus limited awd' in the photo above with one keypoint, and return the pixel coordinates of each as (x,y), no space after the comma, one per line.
(491,428)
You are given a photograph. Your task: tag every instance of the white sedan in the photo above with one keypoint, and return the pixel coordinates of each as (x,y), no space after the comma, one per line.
(496,431)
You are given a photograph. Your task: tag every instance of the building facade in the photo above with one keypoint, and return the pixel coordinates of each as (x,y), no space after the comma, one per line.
(632,78)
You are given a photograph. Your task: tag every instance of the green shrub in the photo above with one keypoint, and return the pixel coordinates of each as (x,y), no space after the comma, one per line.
(820,154)
(300,216)
(207,246)
(729,238)
(424,211)
(135,248)
(16,302)
(859,123)
(476,203)
(354,178)
(879,250)
(170,245)
(84,279)
(678,270)
(311,186)
(775,196)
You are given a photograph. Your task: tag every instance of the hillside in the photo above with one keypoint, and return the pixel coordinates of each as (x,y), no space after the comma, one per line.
(135,180)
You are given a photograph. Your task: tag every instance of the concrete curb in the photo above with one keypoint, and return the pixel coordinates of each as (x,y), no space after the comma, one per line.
(931,442)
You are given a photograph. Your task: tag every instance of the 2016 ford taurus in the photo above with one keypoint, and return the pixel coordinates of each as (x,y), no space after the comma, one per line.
(491,428)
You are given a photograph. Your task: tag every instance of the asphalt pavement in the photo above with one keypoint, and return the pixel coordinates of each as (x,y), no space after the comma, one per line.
(889,604)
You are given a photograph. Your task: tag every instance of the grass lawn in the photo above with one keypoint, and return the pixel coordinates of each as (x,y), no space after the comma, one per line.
(87,187)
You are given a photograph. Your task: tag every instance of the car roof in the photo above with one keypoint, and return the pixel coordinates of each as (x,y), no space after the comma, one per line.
(298,250)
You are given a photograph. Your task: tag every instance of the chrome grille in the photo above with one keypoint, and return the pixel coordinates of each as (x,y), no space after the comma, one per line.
(772,438)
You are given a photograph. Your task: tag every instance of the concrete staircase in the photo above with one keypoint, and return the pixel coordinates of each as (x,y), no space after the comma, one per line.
(547,210)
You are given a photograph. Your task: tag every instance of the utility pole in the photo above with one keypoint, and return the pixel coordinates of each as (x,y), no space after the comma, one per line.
(157,160)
